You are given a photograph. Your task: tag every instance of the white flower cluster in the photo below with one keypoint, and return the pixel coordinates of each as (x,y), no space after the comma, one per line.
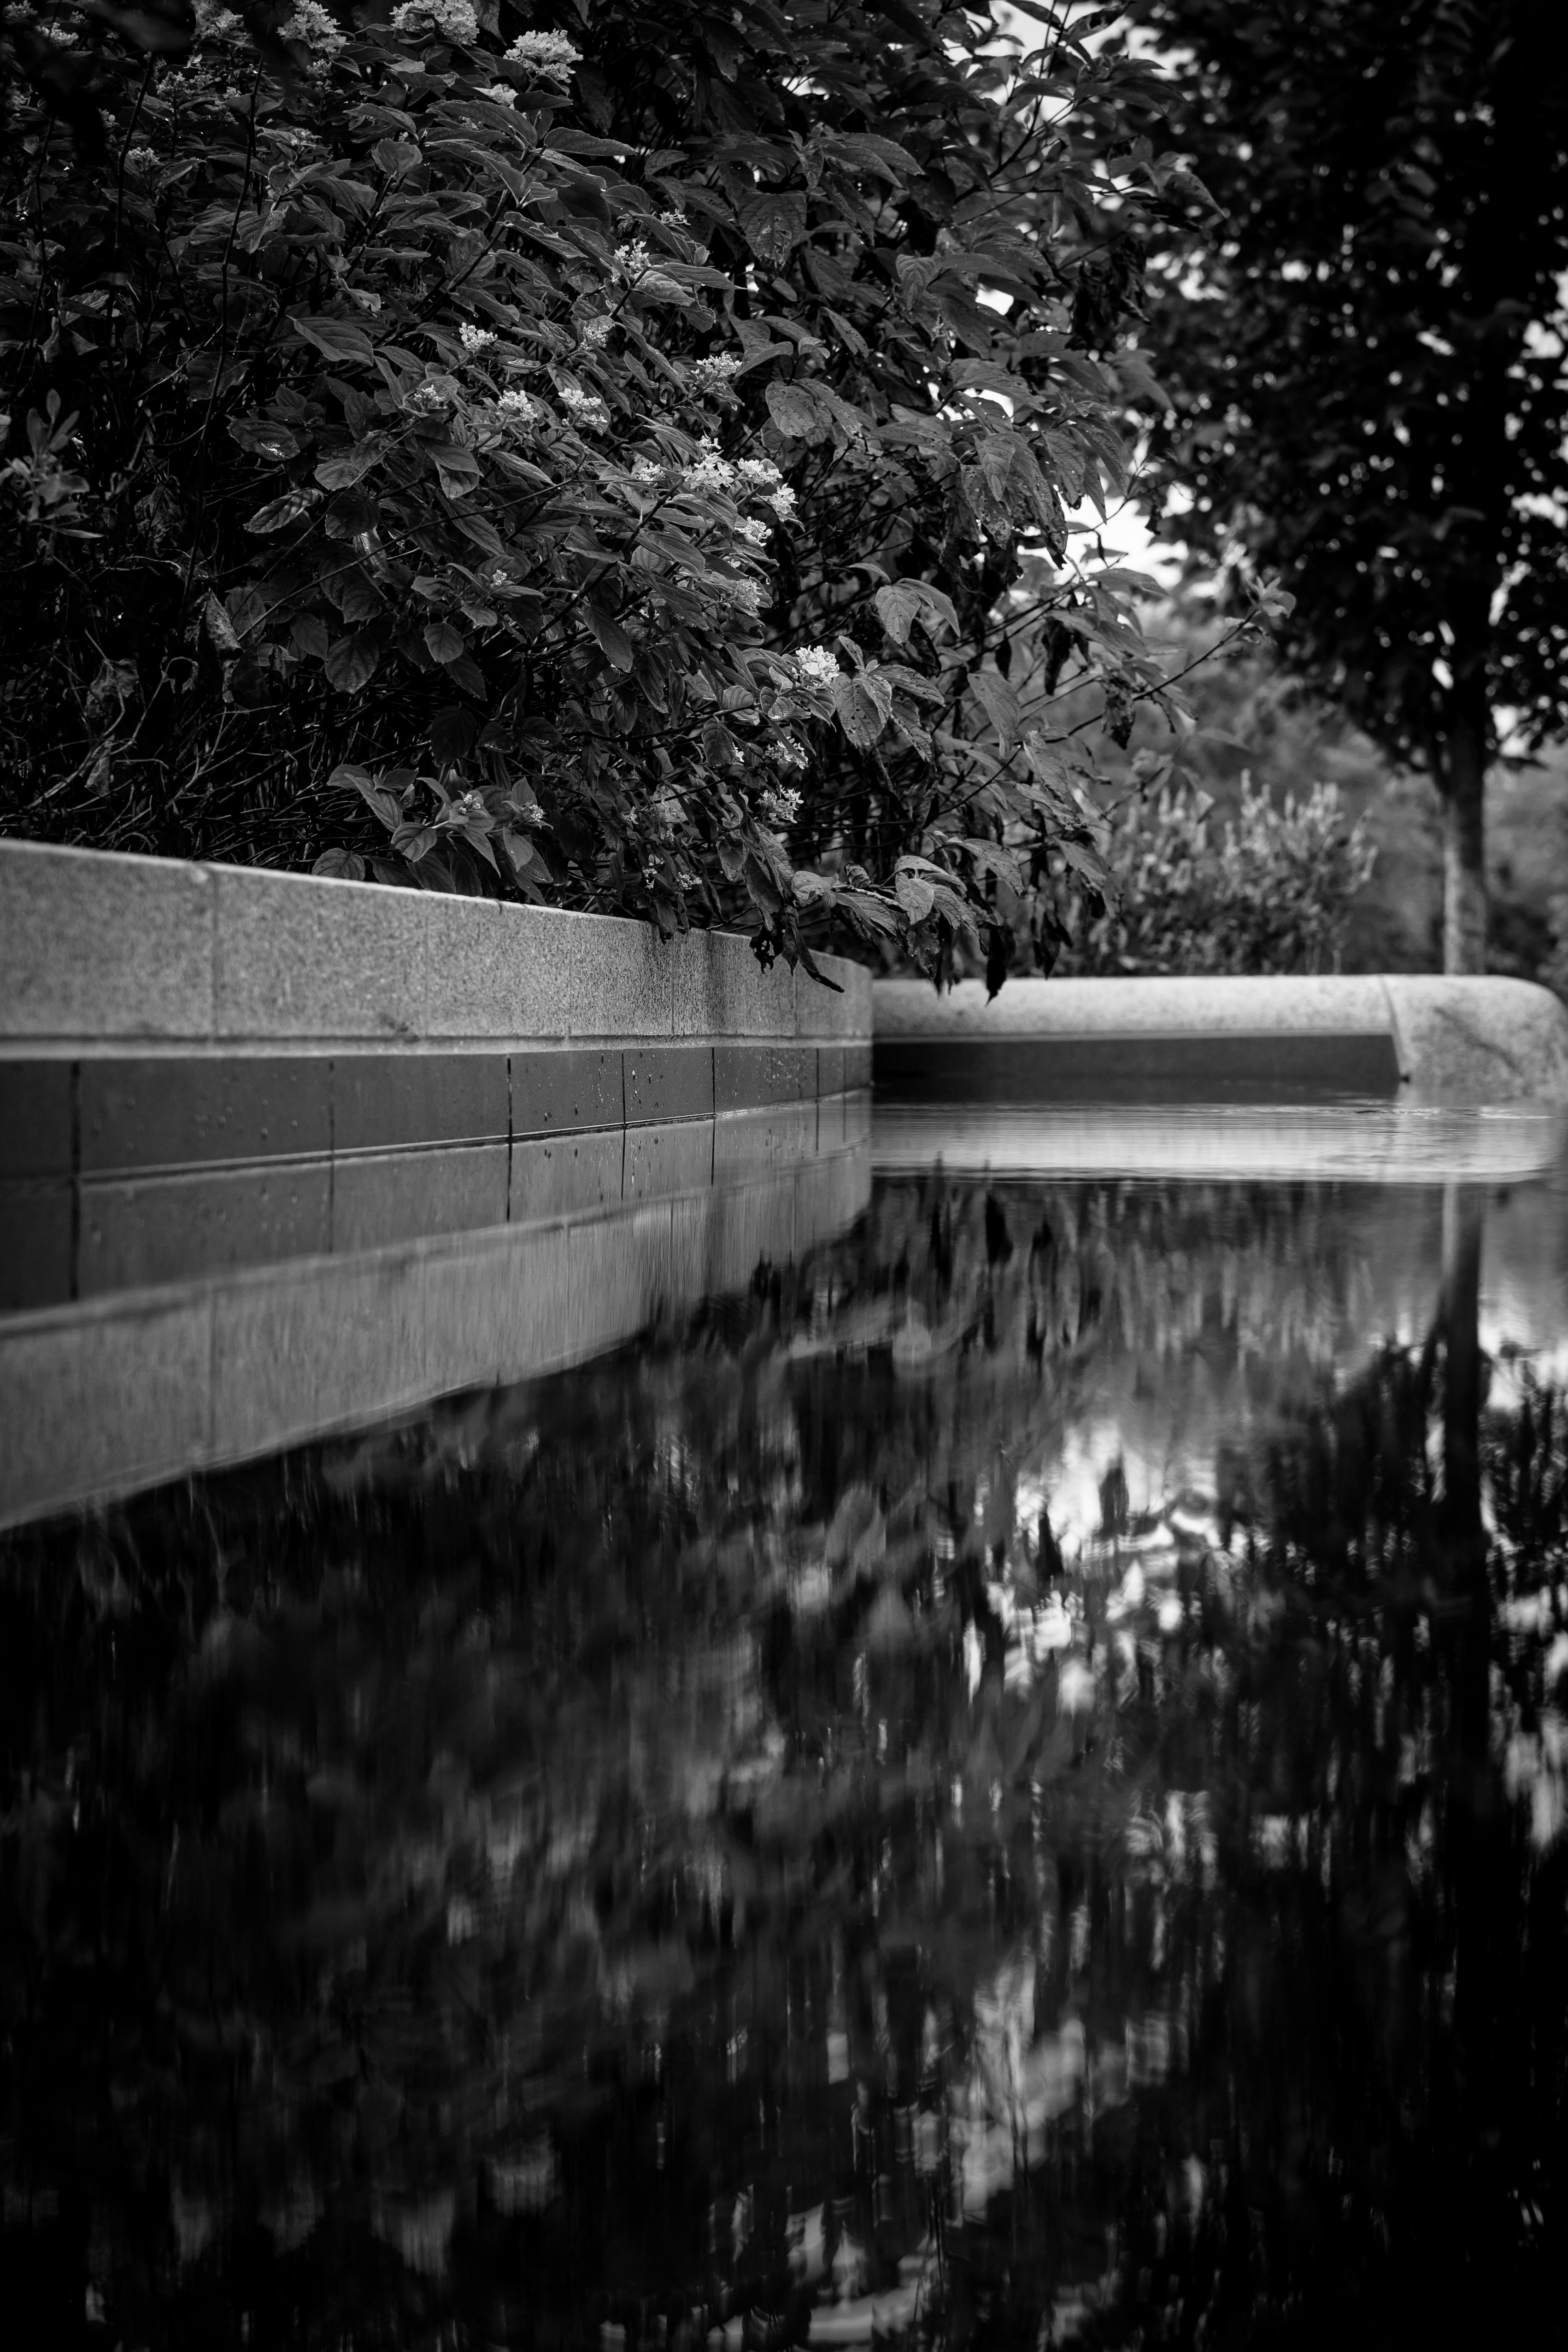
(500,93)
(215,23)
(816,666)
(753,530)
(781,804)
(633,260)
(474,339)
(516,408)
(143,160)
(595,333)
(708,471)
(644,470)
(311,23)
(760,479)
(673,220)
(587,411)
(789,753)
(428,400)
(744,477)
(717,373)
(547,56)
(454,20)
(743,593)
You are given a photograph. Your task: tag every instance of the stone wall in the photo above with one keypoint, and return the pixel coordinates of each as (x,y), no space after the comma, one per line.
(280,1155)
(203,1067)
(1421,1039)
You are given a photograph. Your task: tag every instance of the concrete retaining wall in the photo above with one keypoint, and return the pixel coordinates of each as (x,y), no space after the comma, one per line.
(204,1068)
(279,1155)
(1425,1038)
(106,950)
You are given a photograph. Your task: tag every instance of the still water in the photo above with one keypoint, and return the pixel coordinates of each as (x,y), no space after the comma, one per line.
(1004,1785)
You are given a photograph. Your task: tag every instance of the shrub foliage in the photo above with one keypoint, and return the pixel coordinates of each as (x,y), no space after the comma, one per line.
(1266,890)
(627,462)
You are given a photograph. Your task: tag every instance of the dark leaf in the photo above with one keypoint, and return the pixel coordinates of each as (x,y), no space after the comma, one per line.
(344,467)
(340,866)
(263,438)
(452,734)
(774,224)
(353,661)
(280,512)
(444,643)
(861,713)
(613,642)
(339,340)
(795,411)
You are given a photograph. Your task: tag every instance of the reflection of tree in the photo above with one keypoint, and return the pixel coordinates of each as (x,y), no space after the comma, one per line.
(680,1845)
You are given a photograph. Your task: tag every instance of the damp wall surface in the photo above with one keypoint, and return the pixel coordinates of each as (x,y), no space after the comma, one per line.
(280,1154)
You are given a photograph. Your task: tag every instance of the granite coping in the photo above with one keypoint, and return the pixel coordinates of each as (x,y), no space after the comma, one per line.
(1454,1039)
(100,948)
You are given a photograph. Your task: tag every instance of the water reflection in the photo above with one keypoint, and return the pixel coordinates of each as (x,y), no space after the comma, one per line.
(1006,1785)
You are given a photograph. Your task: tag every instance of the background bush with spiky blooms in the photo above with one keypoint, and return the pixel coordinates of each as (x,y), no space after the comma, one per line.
(627,464)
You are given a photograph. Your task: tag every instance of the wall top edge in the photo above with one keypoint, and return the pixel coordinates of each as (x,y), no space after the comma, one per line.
(134,1046)
(100,947)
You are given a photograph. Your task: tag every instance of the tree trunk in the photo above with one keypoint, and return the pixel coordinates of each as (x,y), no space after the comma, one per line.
(1464,848)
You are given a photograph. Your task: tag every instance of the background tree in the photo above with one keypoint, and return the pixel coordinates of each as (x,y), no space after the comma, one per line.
(1366,362)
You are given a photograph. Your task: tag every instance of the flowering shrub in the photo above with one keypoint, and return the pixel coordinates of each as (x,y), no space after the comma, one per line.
(1267,890)
(629,467)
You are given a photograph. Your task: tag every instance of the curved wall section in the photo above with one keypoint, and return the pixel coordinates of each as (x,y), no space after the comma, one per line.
(1425,1038)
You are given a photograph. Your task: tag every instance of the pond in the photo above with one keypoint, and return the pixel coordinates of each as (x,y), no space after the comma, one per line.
(1003,1783)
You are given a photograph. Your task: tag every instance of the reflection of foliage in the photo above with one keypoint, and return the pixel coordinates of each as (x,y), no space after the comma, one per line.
(712,1840)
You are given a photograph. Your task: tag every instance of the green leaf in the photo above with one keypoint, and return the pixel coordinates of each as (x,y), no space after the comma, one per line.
(851,337)
(452,734)
(280,512)
(339,340)
(795,411)
(613,642)
(263,438)
(395,157)
(308,633)
(352,662)
(908,601)
(344,467)
(350,514)
(249,683)
(774,223)
(998,700)
(862,715)
(225,636)
(340,866)
(443,643)
(914,896)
